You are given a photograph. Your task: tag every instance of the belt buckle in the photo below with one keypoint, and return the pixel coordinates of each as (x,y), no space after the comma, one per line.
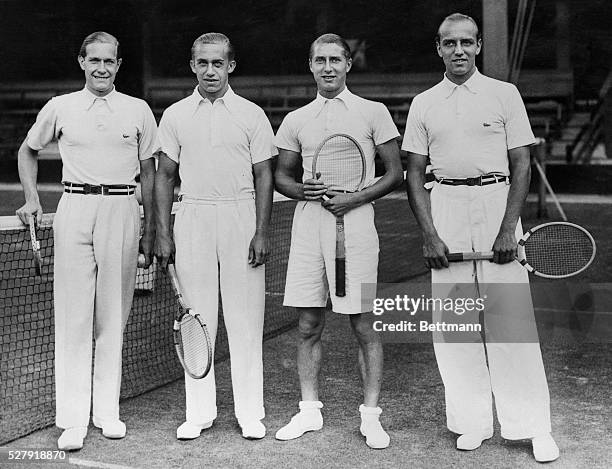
(91,189)
(475,181)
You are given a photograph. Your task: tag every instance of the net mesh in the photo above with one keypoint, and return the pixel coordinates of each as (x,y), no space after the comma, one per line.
(194,346)
(340,164)
(559,250)
(27,392)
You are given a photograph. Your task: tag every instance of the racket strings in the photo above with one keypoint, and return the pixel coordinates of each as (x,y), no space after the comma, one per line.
(559,250)
(340,164)
(194,345)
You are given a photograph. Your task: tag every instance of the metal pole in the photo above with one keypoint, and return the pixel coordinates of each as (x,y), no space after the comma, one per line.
(495,38)
(540,164)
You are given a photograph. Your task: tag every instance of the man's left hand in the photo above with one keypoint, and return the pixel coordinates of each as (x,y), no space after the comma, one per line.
(258,250)
(504,247)
(340,203)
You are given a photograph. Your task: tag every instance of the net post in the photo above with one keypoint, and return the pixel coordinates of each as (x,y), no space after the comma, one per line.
(540,156)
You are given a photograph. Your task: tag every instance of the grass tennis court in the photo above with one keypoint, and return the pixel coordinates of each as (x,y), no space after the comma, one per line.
(412,397)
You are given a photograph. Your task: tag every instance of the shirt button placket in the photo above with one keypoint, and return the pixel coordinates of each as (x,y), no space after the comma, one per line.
(211,127)
(99,108)
(459,101)
(326,114)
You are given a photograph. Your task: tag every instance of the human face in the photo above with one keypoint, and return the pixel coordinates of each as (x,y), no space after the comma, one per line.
(329,68)
(100,65)
(458,47)
(212,68)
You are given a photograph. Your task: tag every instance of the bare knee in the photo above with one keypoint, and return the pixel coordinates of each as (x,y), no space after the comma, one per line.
(362,327)
(310,325)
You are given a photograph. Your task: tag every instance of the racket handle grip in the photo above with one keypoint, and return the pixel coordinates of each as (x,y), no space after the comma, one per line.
(341,277)
(469,256)
(454,257)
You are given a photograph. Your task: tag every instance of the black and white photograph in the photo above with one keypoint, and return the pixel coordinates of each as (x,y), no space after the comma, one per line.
(305,234)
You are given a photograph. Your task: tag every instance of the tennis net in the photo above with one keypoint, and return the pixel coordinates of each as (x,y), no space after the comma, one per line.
(27,394)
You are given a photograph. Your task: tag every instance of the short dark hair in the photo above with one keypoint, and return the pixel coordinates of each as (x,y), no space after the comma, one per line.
(214,38)
(99,36)
(459,17)
(331,38)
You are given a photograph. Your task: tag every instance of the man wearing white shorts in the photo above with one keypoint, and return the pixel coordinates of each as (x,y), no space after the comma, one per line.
(103,136)
(311,259)
(476,133)
(221,145)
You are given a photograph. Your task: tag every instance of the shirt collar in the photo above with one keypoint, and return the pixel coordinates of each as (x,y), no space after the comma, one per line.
(345,97)
(473,84)
(228,99)
(89,98)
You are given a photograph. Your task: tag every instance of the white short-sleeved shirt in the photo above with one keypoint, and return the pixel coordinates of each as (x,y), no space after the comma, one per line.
(216,144)
(101,140)
(467,130)
(369,122)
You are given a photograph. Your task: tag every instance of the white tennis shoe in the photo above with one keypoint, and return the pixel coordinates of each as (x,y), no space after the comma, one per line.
(113,429)
(190,431)
(72,438)
(472,440)
(371,428)
(544,448)
(253,429)
(308,419)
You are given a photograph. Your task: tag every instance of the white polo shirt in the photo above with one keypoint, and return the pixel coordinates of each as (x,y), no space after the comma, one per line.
(467,130)
(368,122)
(100,139)
(216,144)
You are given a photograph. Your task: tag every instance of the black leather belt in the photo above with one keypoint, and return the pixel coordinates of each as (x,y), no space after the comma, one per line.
(102,189)
(483,180)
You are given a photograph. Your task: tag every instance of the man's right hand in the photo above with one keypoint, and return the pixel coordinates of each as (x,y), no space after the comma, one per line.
(164,249)
(28,210)
(434,252)
(314,189)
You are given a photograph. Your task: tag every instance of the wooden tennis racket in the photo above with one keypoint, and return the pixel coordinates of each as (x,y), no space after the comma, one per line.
(38,261)
(551,250)
(191,338)
(340,163)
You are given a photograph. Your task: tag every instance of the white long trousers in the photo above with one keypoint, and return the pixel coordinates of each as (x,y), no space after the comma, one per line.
(468,218)
(96,248)
(212,241)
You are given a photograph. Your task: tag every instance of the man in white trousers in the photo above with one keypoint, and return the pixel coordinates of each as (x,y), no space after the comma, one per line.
(310,271)
(105,139)
(476,133)
(222,146)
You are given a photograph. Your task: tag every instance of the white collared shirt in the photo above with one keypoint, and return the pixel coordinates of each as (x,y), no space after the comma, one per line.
(467,130)
(216,144)
(101,140)
(369,122)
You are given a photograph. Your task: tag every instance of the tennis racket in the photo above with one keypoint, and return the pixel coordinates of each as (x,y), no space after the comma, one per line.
(191,338)
(38,261)
(551,250)
(340,163)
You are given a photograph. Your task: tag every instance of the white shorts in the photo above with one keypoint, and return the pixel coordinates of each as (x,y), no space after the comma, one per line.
(311,269)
